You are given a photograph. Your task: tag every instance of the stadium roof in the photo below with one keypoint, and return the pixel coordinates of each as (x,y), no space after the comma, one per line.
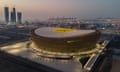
(53,32)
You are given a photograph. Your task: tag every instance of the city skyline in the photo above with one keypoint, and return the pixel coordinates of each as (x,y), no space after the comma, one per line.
(13,16)
(43,9)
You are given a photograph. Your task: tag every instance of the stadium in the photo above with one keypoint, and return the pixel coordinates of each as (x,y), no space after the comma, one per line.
(63,40)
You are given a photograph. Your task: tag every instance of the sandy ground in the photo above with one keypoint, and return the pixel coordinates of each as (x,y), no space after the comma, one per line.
(115,66)
(10,66)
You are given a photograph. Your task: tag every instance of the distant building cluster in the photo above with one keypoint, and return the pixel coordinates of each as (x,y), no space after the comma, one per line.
(64,22)
(12,17)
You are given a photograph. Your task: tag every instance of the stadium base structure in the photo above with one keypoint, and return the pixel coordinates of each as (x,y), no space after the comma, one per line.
(64,40)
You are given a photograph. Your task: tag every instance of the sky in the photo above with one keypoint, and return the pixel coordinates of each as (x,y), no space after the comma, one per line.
(43,9)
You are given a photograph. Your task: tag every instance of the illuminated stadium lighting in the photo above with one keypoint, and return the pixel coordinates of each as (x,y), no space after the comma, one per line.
(64,42)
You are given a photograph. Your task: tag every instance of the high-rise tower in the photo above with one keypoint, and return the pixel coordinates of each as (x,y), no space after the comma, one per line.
(13,16)
(6,12)
(19,17)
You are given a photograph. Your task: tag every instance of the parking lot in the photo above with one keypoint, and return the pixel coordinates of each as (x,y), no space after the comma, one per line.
(9,35)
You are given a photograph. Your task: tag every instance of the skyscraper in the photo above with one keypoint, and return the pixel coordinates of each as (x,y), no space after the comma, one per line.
(13,16)
(19,17)
(6,12)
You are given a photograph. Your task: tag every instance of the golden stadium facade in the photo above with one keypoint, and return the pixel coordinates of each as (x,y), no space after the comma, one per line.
(64,40)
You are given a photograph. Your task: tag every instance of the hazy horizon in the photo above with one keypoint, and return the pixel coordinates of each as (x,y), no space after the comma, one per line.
(42,9)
